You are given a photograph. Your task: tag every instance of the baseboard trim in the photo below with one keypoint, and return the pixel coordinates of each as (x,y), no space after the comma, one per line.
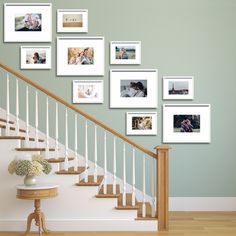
(84,225)
(202,203)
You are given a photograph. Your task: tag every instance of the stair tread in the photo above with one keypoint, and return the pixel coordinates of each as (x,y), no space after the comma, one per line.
(109,193)
(146,218)
(59,159)
(71,171)
(34,149)
(5,121)
(91,181)
(127,207)
(20,137)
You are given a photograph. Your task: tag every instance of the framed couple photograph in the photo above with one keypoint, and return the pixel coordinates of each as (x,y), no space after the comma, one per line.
(27,22)
(133,88)
(178,87)
(128,52)
(80,56)
(72,21)
(141,123)
(87,91)
(186,123)
(36,57)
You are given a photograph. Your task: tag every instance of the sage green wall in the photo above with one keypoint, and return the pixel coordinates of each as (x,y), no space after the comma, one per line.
(179,37)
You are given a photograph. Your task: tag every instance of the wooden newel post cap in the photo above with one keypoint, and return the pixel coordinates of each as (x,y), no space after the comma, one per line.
(162,147)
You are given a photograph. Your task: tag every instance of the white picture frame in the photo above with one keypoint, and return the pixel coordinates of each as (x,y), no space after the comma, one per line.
(178,119)
(141,123)
(27,22)
(36,57)
(133,88)
(178,87)
(87,91)
(72,20)
(125,52)
(71,56)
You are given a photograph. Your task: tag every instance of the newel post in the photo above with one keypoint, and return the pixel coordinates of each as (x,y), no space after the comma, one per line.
(162,206)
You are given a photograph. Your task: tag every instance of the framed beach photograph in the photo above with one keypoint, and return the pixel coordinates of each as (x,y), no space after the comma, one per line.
(122,52)
(141,123)
(27,22)
(184,123)
(178,87)
(80,56)
(133,88)
(85,91)
(36,57)
(72,21)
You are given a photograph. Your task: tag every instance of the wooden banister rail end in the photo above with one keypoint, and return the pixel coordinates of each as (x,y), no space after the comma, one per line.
(162,187)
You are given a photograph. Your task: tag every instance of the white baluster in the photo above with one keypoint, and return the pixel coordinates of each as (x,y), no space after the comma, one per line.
(36,119)
(124,177)
(105,164)
(56,130)
(153,189)
(114,165)
(8,108)
(17,108)
(66,142)
(86,152)
(95,155)
(47,130)
(27,117)
(133,178)
(144,187)
(76,144)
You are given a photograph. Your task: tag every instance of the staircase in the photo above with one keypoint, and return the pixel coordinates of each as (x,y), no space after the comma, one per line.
(67,162)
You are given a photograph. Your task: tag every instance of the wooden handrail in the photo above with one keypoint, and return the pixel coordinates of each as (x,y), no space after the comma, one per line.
(74,108)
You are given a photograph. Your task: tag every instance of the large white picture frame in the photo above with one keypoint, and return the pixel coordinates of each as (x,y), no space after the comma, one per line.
(186,123)
(80,56)
(36,57)
(72,20)
(27,22)
(134,88)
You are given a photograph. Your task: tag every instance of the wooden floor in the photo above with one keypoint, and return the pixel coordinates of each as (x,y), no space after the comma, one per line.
(181,224)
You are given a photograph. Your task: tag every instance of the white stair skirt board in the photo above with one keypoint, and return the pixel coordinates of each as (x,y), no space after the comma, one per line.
(202,203)
(84,225)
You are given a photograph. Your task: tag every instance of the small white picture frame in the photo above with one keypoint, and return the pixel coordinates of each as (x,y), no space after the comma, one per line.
(133,88)
(125,52)
(36,57)
(72,20)
(27,22)
(141,123)
(186,123)
(178,87)
(87,91)
(80,56)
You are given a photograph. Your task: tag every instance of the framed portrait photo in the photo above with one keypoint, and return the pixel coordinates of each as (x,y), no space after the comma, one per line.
(122,52)
(178,87)
(36,57)
(80,56)
(133,88)
(85,91)
(27,22)
(186,123)
(141,123)
(72,20)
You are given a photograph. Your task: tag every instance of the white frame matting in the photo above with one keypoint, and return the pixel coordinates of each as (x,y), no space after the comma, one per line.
(169,136)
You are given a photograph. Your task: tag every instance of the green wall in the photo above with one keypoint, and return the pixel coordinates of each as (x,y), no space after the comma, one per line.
(179,37)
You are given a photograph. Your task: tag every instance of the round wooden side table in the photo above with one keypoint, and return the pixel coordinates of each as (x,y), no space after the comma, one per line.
(36,193)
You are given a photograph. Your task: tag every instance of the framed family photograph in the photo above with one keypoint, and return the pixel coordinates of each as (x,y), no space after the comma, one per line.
(178,87)
(122,52)
(85,91)
(186,123)
(72,21)
(36,57)
(133,88)
(27,22)
(141,123)
(80,56)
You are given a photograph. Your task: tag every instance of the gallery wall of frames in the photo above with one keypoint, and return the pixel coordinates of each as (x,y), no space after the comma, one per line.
(129,88)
